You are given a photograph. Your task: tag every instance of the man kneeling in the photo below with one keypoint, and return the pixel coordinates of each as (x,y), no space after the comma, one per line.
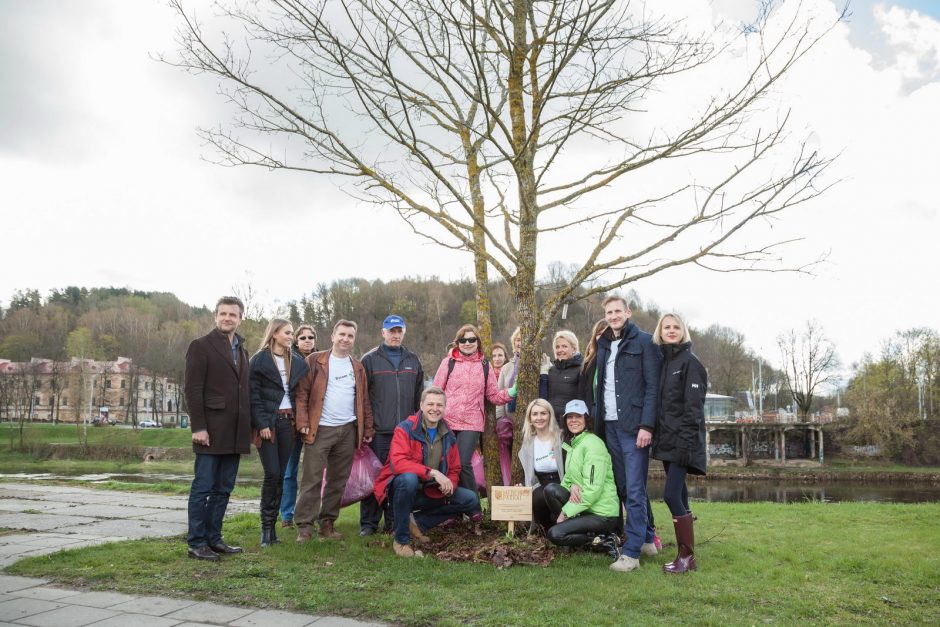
(421,475)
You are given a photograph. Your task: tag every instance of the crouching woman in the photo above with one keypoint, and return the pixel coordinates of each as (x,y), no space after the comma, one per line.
(585,504)
(421,475)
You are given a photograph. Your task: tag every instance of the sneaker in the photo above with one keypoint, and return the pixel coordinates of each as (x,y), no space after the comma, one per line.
(609,544)
(657,542)
(476,517)
(625,564)
(405,550)
(366,532)
(649,549)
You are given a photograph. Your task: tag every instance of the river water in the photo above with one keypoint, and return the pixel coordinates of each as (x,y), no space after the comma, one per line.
(715,490)
(775,491)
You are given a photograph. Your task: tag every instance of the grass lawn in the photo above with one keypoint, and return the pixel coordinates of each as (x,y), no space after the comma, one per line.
(759,563)
(68,434)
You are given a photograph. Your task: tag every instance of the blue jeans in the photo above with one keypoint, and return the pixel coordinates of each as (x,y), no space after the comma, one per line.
(213,480)
(408,496)
(631,465)
(289,489)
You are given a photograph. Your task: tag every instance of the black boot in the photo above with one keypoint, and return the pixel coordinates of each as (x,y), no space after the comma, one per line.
(266,537)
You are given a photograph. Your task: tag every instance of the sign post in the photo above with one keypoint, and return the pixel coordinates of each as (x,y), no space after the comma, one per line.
(511,503)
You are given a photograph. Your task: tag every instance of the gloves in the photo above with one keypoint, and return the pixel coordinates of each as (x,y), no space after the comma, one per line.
(513,391)
(546,364)
(685,457)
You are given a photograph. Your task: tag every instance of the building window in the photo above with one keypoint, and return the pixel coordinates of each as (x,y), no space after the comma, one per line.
(107,383)
(65,401)
(147,385)
(122,399)
(37,400)
(123,383)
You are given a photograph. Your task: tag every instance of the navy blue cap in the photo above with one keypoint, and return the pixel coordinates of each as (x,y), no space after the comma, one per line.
(393,321)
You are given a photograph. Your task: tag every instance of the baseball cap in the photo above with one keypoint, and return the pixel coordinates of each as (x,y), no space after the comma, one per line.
(393,321)
(576,407)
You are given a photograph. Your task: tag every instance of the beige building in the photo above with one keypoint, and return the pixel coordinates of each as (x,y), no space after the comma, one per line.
(43,390)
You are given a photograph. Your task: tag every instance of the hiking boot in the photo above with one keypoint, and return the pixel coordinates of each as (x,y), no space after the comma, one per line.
(625,564)
(416,534)
(328,532)
(287,524)
(405,550)
(648,549)
(303,534)
(365,532)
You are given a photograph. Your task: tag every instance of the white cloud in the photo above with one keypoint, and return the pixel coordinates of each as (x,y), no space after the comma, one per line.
(915,41)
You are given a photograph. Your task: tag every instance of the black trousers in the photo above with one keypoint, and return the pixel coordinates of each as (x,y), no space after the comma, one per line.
(577,531)
(676,494)
(274,456)
(541,512)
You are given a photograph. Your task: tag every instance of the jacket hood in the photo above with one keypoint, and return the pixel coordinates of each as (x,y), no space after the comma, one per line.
(573,362)
(671,350)
(456,354)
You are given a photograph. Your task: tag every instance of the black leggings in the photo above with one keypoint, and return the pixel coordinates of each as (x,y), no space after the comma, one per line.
(577,531)
(541,512)
(676,494)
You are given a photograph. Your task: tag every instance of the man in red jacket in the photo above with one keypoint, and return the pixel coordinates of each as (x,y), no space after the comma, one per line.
(421,475)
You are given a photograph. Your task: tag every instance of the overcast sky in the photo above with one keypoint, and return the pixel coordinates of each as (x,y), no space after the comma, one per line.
(103,181)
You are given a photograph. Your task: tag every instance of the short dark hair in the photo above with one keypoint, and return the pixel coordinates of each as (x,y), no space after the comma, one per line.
(231,300)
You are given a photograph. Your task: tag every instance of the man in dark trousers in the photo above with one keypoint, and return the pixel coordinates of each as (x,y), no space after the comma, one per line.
(217,397)
(395,381)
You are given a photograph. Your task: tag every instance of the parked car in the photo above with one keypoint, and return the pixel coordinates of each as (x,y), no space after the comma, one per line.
(103,422)
(147,424)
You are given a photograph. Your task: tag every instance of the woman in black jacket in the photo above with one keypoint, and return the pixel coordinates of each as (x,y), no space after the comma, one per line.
(560,383)
(679,440)
(274,372)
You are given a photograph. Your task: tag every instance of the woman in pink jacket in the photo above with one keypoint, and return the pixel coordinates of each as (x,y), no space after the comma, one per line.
(467,379)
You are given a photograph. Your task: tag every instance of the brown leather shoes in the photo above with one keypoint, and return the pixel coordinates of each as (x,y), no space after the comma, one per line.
(287,524)
(203,553)
(328,532)
(416,534)
(303,534)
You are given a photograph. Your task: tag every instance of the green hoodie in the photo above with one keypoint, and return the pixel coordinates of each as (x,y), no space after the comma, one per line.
(588,465)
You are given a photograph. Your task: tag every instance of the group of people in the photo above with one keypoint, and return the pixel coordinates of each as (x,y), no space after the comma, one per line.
(585,450)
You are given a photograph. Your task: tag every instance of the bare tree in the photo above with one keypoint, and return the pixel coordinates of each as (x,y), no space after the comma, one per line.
(809,360)
(490,125)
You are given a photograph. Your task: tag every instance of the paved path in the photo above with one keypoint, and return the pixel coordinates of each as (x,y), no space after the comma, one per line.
(59,517)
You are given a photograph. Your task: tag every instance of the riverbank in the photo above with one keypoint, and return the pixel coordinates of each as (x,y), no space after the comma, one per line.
(808,563)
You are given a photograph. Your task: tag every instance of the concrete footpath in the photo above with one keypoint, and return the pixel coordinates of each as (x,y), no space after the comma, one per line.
(60,517)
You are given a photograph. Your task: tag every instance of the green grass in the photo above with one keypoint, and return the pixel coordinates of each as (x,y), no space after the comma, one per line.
(16,462)
(816,563)
(69,434)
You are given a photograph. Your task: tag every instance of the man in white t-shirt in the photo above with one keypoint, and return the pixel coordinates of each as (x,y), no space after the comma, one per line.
(334,417)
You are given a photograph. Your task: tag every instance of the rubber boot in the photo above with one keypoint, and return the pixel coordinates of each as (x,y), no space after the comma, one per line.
(266,533)
(685,539)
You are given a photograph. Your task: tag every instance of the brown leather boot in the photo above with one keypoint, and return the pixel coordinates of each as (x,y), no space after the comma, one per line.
(327,531)
(685,539)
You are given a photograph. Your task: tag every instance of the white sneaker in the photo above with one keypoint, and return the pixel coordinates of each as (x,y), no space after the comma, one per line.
(625,564)
(649,549)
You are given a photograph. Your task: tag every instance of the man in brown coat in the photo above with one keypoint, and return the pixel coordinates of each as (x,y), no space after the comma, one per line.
(217,397)
(334,416)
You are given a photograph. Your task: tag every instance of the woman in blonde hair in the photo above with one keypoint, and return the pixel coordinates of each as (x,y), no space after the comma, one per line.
(561,380)
(274,372)
(468,381)
(679,438)
(541,458)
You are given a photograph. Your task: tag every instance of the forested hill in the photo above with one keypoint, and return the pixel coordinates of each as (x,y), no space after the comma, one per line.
(154,328)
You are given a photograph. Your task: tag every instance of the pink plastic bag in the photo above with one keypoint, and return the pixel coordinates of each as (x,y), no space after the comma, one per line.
(361,482)
(476,460)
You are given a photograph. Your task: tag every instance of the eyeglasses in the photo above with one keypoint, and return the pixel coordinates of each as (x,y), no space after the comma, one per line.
(467,340)
(307,337)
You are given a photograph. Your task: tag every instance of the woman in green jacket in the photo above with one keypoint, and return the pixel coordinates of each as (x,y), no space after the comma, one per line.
(585,504)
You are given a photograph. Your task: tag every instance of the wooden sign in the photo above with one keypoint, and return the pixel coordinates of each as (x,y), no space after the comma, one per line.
(511,503)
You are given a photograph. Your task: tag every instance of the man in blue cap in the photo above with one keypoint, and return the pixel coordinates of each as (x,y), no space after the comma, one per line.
(396,380)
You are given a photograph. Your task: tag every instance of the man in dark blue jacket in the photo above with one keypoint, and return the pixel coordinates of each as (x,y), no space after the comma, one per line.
(396,380)
(628,372)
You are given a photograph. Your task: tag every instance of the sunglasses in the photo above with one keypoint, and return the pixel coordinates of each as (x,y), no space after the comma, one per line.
(307,337)
(467,340)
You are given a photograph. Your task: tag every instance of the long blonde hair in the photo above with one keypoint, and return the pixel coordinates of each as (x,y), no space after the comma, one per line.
(528,430)
(267,343)
(591,351)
